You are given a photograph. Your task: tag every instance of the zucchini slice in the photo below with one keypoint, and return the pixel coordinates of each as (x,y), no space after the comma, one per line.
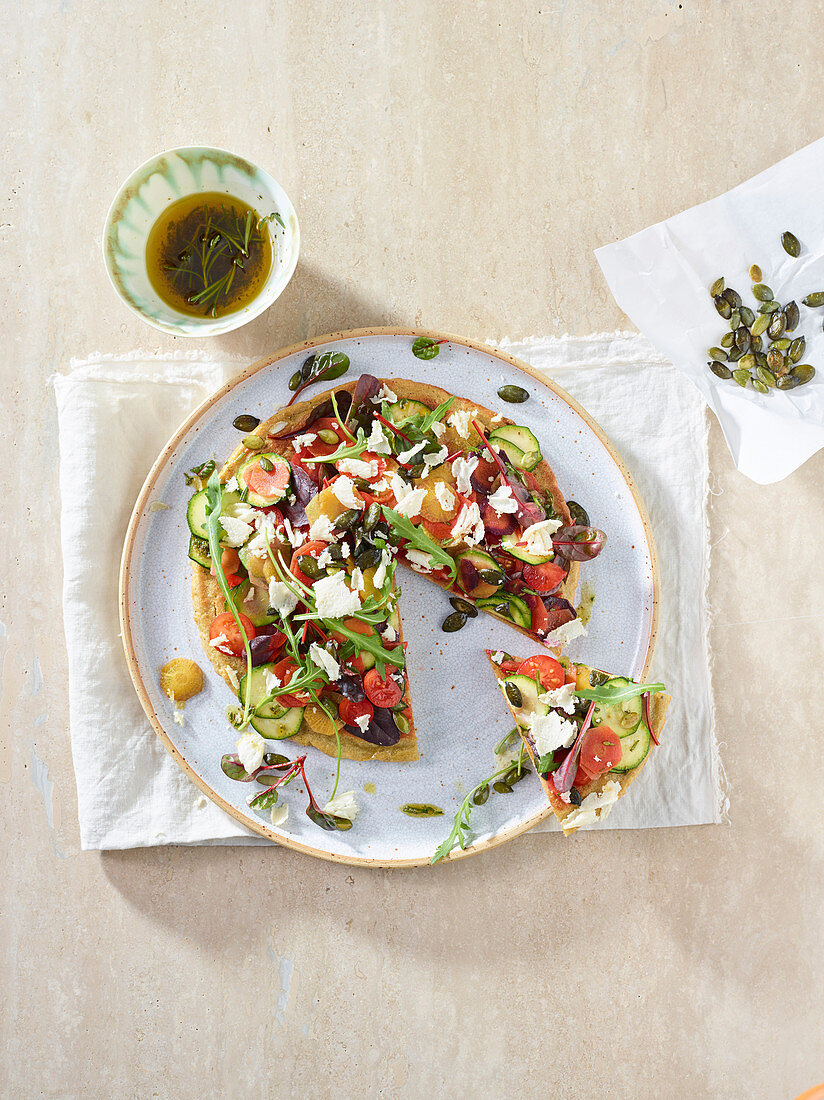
(622,718)
(508,607)
(258,691)
(404,409)
(276,729)
(522,440)
(275,461)
(635,747)
(510,544)
(196,516)
(256,611)
(526,689)
(199,551)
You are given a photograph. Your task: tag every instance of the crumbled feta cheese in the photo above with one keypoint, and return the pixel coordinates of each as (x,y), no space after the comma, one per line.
(496,419)
(502,500)
(324,660)
(384,394)
(334,599)
(265,526)
(594,807)
(178,714)
(469,525)
(357,579)
(201,802)
(459,420)
(362,721)
(408,455)
(566,633)
(325,558)
(408,501)
(251,595)
(437,457)
(379,579)
(419,560)
(498,656)
(237,530)
(241,510)
(322,529)
(281,598)
(301,441)
(358,467)
(220,642)
(444,496)
(438,429)
(250,750)
(462,468)
(537,539)
(344,489)
(296,538)
(344,805)
(380,486)
(551,731)
(270,681)
(232,485)
(562,697)
(279,813)
(389,633)
(232,676)
(377,441)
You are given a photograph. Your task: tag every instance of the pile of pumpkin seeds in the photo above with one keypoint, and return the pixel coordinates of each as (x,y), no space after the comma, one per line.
(760,350)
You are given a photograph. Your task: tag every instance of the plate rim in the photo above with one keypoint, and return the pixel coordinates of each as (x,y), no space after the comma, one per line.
(160,464)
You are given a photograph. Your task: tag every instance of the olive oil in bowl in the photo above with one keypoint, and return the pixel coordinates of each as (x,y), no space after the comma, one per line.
(209,254)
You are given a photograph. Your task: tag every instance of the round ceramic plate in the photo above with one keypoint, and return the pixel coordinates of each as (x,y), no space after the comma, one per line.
(459,714)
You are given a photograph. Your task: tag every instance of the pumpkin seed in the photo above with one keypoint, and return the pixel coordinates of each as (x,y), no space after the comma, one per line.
(735,354)
(814,299)
(761,359)
(742,339)
(727,340)
(747,362)
(575,797)
(453,622)
(481,795)
(762,292)
(295,380)
(755,273)
(777,325)
(368,556)
(347,520)
(266,464)
(741,376)
(803,372)
(464,607)
(515,395)
(720,370)
(717,287)
(327,436)
(491,576)
(401,721)
(759,386)
(421,809)
(756,344)
(723,307)
(759,325)
(782,344)
(308,565)
(766,376)
(787,382)
(272,758)
(371,516)
(253,443)
(797,348)
(245,423)
(735,319)
(732,296)
(718,354)
(775,360)
(513,694)
(790,243)
(769,307)
(501,787)
(747,316)
(791,313)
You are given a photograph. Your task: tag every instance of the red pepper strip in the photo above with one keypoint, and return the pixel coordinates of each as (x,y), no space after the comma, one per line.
(647,718)
(305,628)
(455,455)
(563,777)
(491,449)
(397,431)
(311,622)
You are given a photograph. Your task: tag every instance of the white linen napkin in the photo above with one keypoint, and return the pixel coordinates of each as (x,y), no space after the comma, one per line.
(660,279)
(115,414)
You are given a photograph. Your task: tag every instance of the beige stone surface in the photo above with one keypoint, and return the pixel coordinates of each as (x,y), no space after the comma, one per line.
(453,166)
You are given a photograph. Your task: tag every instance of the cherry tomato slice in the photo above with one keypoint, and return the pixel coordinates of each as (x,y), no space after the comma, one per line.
(600,751)
(544,577)
(225,624)
(310,549)
(539,620)
(439,530)
(546,669)
(383,693)
(355,625)
(285,670)
(350,710)
(317,448)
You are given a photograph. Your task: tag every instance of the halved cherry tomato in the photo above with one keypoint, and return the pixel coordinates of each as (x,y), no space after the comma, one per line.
(355,625)
(310,549)
(317,447)
(285,670)
(546,669)
(544,577)
(600,751)
(225,624)
(383,693)
(230,561)
(509,667)
(270,484)
(350,710)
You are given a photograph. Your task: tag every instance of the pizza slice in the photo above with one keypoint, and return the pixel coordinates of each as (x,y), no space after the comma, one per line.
(588,734)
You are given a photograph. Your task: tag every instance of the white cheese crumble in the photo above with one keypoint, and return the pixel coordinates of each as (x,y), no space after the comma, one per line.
(537,539)
(358,467)
(502,500)
(201,802)
(437,457)
(566,633)
(220,641)
(241,510)
(281,598)
(296,538)
(408,501)
(389,633)
(469,525)
(384,394)
(270,681)
(250,750)
(379,579)
(496,419)
(420,560)
(562,697)
(301,441)
(459,420)
(344,805)
(232,485)
(438,429)
(279,813)
(463,468)
(357,579)
(232,675)
(178,714)
(380,486)
(334,599)
(444,496)
(407,456)
(324,660)
(362,721)
(344,489)
(322,529)
(237,530)
(377,440)
(325,558)
(498,656)
(594,807)
(551,731)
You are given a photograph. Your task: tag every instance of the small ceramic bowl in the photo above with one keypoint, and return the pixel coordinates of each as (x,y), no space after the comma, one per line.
(163,180)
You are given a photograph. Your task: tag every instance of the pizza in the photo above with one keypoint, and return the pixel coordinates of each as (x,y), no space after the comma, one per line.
(587,733)
(295,543)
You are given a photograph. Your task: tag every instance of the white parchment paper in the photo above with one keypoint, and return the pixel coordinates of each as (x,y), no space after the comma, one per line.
(660,278)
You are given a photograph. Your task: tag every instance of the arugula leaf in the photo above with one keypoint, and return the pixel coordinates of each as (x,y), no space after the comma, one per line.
(436,415)
(461,823)
(547,763)
(608,693)
(420,539)
(370,643)
(354,450)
